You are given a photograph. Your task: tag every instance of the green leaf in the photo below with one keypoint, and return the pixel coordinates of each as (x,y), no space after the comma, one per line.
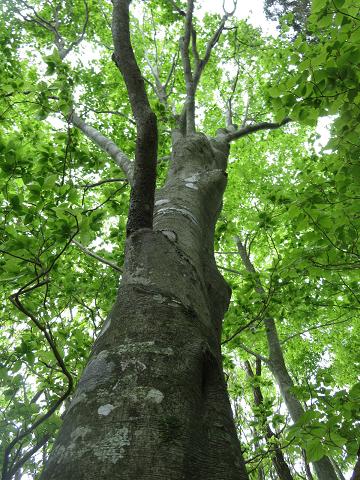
(314,450)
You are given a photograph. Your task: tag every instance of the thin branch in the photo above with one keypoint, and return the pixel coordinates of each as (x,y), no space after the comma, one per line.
(210,46)
(177,9)
(251,352)
(172,69)
(241,329)
(15,299)
(315,327)
(25,457)
(230,137)
(100,140)
(113,112)
(188,114)
(97,257)
(101,182)
(350,289)
(231,270)
(194,48)
(246,113)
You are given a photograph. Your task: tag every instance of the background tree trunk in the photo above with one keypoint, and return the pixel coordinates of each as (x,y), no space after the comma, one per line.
(278,460)
(323,467)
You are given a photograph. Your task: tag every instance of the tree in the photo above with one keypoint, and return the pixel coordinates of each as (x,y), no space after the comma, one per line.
(299,9)
(152,399)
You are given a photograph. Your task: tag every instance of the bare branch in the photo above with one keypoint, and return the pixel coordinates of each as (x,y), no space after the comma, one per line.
(194,48)
(242,132)
(241,329)
(231,270)
(100,140)
(251,352)
(101,182)
(177,9)
(212,43)
(25,457)
(192,80)
(188,114)
(172,69)
(316,327)
(53,27)
(15,299)
(104,144)
(97,257)
(113,112)
(246,113)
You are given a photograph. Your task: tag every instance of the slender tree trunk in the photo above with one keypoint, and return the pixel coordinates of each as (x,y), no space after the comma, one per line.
(261,475)
(337,469)
(152,401)
(278,460)
(308,473)
(356,473)
(323,467)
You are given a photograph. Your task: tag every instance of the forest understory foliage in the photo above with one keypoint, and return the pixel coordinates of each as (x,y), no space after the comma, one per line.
(286,240)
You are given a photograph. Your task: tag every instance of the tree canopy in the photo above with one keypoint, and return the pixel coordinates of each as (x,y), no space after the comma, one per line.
(291,208)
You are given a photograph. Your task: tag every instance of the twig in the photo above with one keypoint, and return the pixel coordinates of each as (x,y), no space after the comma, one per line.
(97,257)
(101,182)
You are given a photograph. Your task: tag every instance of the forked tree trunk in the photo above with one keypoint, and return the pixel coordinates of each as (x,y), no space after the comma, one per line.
(152,401)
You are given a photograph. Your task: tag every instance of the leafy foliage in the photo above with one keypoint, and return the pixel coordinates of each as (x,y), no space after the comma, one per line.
(296,206)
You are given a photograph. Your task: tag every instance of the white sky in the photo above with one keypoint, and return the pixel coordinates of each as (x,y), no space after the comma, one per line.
(253,10)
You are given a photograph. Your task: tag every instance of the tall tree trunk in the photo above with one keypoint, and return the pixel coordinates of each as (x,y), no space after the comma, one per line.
(307,468)
(323,467)
(278,460)
(356,473)
(152,401)
(337,469)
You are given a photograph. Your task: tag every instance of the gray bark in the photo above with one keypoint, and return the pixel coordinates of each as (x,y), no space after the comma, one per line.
(323,467)
(308,472)
(337,469)
(356,473)
(278,460)
(152,401)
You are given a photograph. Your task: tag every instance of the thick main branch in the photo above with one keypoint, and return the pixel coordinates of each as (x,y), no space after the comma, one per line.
(143,187)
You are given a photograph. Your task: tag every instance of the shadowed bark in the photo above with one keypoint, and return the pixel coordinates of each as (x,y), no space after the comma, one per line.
(143,186)
(152,401)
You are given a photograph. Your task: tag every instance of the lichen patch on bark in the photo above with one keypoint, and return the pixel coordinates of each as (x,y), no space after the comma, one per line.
(106,409)
(112,447)
(154,396)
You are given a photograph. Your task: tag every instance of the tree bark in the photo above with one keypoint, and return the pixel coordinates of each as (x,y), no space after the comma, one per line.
(356,473)
(278,460)
(323,467)
(152,401)
(308,473)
